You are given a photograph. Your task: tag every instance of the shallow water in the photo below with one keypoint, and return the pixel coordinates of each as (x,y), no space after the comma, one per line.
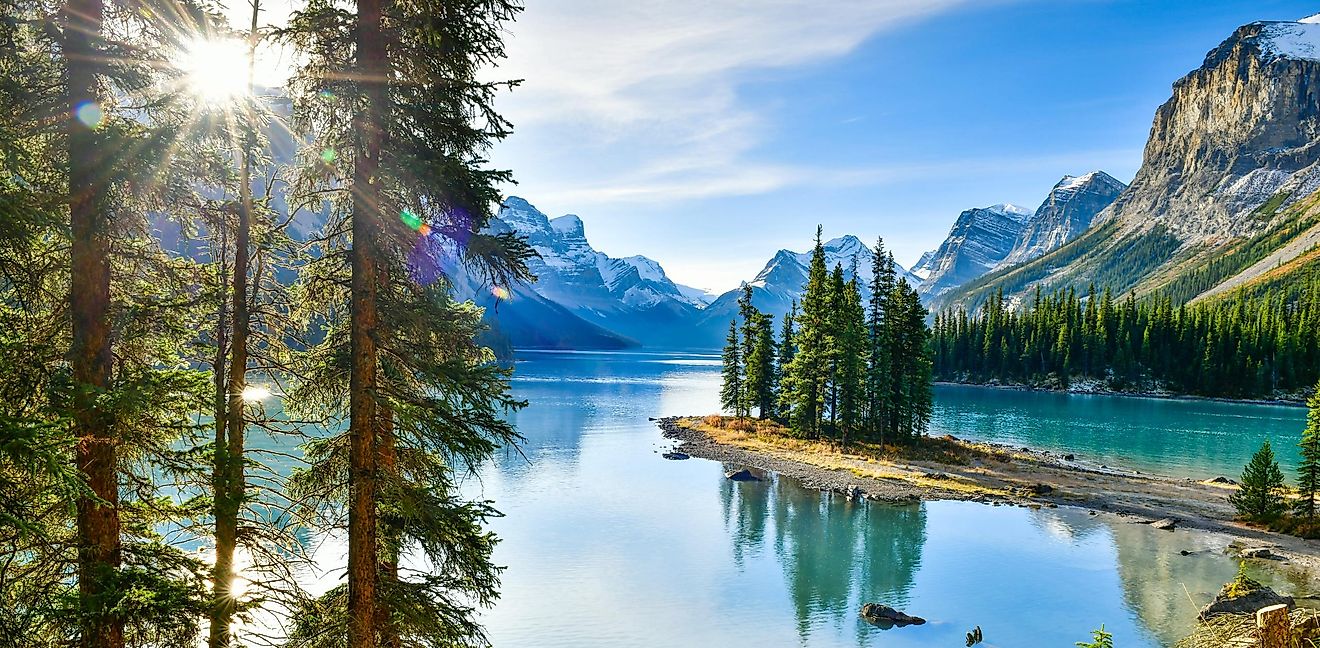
(608,544)
(1184,438)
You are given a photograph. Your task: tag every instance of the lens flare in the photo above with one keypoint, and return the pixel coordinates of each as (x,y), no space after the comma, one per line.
(328,156)
(254,393)
(89,113)
(500,292)
(410,219)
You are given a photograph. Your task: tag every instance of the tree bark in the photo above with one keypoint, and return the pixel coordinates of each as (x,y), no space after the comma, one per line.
(233,481)
(389,556)
(221,568)
(90,358)
(362,541)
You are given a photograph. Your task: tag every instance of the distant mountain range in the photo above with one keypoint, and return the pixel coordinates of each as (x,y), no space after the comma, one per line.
(1226,198)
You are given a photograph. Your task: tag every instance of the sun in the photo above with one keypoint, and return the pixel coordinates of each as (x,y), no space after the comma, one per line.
(215,69)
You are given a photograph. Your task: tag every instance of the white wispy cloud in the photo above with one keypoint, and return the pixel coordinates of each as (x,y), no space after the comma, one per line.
(640,100)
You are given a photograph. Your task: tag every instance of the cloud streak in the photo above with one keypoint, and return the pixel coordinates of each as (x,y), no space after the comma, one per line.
(640,100)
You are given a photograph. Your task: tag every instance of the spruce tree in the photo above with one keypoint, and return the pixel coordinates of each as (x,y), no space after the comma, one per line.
(787,348)
(761,381)
(401,90)
(1308,472)
(878,370)
(1260,494)
(731,386)
(853,356)
(806,374)
(836,324)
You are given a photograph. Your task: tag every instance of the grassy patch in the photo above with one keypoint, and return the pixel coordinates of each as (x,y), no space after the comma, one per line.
(863,460)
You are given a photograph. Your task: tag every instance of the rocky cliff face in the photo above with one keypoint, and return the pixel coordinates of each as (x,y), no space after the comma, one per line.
(1230,156)
(1066,212)
(979,241)
(1242,128)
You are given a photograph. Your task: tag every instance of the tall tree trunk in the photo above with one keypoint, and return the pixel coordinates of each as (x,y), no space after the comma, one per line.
(222,568)
(389,556)
(233,480)
(89,298)
(362,542)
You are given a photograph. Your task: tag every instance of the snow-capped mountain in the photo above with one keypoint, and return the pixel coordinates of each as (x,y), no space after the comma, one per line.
(921,269)
(782,281)
(1227,184)
(632,296)
(979,240)
(1066,212)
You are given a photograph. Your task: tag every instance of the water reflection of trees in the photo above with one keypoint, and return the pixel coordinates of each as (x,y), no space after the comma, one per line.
(835,553)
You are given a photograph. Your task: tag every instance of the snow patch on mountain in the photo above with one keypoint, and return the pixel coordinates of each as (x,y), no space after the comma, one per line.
(1297,40)
(978,241)
(1069,208)
(631,296)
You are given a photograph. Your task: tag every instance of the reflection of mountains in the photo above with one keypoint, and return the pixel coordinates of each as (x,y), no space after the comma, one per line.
(835,554)
(1154,572)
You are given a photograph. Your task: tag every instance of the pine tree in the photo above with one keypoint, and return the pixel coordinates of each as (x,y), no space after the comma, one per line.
(806,374)
(753,378)
(731,389)
(404,95)
(760,375)
(879,370)
(786,350)
(1308,472)
(835,325)
(853,359)
(1260,495)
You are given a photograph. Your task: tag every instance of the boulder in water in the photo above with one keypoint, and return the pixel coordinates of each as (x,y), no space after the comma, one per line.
(1166,524)
(1243,595)
(887,617)
(676,455)
(743,474)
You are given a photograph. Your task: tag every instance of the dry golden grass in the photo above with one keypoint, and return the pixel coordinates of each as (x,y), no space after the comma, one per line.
(1240,630)
(864,460)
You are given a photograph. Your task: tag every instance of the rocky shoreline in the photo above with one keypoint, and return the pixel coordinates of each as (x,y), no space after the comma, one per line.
(1016,477)
(1098,390)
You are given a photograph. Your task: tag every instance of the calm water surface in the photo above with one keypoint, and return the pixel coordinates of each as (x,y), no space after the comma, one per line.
(608,544)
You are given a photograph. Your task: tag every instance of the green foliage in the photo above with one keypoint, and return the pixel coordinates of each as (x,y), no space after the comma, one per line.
(1260,494)
(840,371)
(1242,346)
(1308,472)
(1099,639)
(731,386)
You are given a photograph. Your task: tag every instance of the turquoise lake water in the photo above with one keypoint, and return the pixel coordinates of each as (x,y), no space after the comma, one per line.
(608,544)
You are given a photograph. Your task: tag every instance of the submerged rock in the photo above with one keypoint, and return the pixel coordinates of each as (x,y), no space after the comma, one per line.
(742,475)
(676,455)
(1243,595)
(887,617)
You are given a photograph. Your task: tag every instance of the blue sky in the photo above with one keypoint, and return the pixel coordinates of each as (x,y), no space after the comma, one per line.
(708,134)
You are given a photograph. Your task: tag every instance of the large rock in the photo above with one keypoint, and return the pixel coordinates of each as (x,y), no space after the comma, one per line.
(887,617)
(743,474)
(1243,596)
